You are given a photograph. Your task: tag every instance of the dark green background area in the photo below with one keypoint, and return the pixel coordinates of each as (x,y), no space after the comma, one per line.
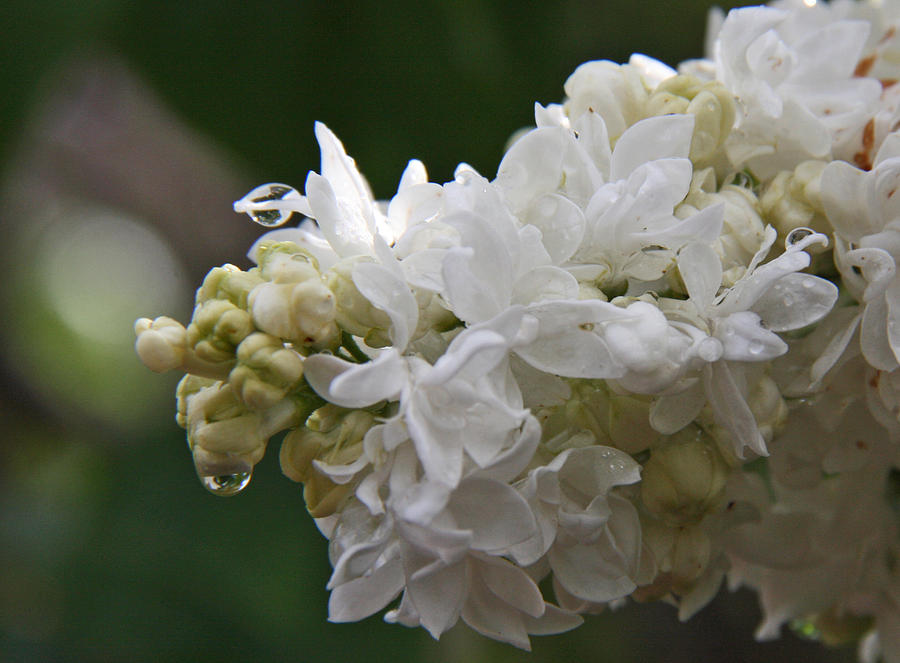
(112,551)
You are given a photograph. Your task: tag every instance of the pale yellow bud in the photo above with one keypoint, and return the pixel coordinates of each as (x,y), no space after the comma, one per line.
(711,104)
(266,371)
(228,283)
(218,326)
(338,441)
(285,262)
(792,199)
(353,312)
(161,343)
(684,477)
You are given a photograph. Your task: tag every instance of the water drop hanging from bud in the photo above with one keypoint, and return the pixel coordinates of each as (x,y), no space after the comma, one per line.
(271,205)
(225,485)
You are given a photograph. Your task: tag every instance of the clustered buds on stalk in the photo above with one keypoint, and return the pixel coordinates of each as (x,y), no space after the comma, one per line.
(660,348)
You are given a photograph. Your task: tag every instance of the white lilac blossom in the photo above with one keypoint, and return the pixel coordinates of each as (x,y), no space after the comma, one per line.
(661,348)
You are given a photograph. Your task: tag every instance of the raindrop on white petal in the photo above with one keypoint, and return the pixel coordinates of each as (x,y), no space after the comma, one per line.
(756,347)
(265,193)
(710,349)
(797,235)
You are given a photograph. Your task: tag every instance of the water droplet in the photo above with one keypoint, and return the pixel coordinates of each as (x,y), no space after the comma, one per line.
(756,347)
(225,485)
(262,204)
(808,284)
(710,349)
(797,235)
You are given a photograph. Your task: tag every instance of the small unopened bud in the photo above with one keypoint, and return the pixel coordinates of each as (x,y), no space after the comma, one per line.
(353,312)
(229,283)
(792,199)
(160,343)
(684,477)
(340,444)
(711,104)
(218,326)
(266,371)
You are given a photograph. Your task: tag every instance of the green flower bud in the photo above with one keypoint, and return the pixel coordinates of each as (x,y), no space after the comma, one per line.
(684,478)
(743,228)
(792,199)
(682,553)
(334,436)
(224,436)
(711,104)
(163,344)
(228,283)
(302,313)
(354,313)
(285,262)
(218,326)
(767,406)
(433,314)
(266,371)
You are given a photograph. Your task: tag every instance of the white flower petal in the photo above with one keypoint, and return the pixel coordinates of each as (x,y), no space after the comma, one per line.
(495,513)
(662,137)
(511,585)
(731,410)
(494,618)
(343,226)
(438,597)
(701,271)
(795,301)
(568,344)
(554,620)
(356,385)
(561,223)
(587,575)
(366,595)
(673,412)
(386,291)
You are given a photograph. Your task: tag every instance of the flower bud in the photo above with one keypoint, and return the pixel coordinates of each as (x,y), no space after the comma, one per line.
(616,92)
(218,326)
(223,434)
(163,344)
(682,554)
(353,312)
(711,104)
(285,262)
(792,199)
(160,343)
(333,436)
(743,228)
(302,313)
(228,283)
(266,371)
(684,477)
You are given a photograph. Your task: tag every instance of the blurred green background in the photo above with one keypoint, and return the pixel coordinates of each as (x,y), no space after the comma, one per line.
(127,128)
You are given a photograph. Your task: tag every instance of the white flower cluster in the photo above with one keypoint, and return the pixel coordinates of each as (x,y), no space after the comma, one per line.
(659,348)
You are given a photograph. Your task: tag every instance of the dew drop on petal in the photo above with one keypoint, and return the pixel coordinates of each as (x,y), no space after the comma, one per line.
(269,215)
(797,235)
(756,347)
(710,349)
(225,485)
